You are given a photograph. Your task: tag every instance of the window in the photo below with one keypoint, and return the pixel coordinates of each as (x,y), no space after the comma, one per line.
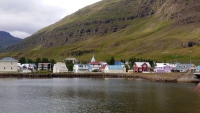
(11,68)
(4,68)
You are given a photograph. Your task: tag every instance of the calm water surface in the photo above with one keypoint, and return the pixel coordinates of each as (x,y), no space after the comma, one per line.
(78,95)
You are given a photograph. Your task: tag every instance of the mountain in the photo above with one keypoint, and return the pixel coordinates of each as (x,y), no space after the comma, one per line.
(156,29)
(6,39)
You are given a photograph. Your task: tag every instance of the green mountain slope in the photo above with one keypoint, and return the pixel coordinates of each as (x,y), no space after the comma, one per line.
(6,39)
(156,29)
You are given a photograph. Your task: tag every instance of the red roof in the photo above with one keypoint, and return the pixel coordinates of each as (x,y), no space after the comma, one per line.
(95,63)
(103,67)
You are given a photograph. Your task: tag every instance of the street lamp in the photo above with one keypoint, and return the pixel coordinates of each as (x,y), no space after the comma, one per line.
(190,56)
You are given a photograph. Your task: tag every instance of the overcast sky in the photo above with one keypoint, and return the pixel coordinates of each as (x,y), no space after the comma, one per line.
(22,18)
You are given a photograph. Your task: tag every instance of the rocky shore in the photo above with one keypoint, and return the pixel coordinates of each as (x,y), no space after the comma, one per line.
(157,77)
(197,88)
(167,77)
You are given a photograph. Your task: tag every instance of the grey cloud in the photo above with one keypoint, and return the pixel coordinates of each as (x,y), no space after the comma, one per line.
(27,15)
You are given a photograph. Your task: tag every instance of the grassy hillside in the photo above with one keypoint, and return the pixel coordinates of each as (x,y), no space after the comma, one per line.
(147,29)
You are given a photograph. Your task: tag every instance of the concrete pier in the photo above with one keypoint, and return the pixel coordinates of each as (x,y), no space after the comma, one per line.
(189,78)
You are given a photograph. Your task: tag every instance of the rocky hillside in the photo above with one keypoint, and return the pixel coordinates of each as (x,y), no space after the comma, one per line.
(121,27)
(6,39)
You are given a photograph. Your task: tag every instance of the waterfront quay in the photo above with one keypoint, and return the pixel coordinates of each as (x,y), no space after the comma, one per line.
(167,77)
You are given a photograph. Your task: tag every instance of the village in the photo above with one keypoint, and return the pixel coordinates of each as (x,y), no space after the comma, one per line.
(11,65)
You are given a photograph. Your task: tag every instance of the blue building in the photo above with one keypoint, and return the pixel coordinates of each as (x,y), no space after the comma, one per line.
(114,69)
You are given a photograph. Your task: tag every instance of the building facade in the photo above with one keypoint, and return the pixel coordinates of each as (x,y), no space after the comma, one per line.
(8,64)
(114,69)
(59,68)
(185,68)
(44,66)
(141,67)
(27,68)
(95,65)
(163,68)
(81,68)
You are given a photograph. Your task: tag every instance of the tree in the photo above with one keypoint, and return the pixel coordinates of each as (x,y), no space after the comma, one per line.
(52,61)
(123,61)
(132,61)
(69,65)
(151,62)
(38,60)
(127,68)
(112,61)
(22,60)
(29,61)
(45,60)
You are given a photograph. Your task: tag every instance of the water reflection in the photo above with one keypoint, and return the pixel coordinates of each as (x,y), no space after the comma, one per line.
(77,95)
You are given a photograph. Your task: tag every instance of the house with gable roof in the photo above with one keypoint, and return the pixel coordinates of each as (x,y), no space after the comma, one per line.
(81,68)
(141,67)
(114,69)
(185,68)
(163,68)
(95,65)
(8,64)
(59,67)
(44,66)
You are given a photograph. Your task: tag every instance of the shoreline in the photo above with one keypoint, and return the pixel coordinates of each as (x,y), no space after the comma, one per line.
(158,77)
(154,77)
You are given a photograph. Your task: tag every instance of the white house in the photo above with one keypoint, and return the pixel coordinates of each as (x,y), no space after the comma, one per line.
(59,68)
(27,68)
(8,64)
(44,66)
(81,68)
(95,65)
(114,69)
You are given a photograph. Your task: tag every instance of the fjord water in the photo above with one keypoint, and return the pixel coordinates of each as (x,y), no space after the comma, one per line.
(89,95)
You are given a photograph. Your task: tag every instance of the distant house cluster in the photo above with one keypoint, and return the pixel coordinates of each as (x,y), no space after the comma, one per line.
(163,67)
(95,66)
(9,64)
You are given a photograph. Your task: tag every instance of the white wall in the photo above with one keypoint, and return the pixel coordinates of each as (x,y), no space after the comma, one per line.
(8,67)
(84,69)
